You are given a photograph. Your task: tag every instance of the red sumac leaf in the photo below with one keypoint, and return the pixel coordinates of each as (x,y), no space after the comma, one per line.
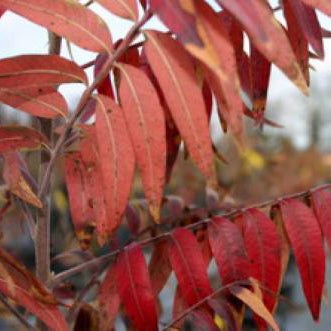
(42,102)
(228,248)
(322,5)
(321,203)
(67,18)
(39,70)
(15,179)
(190,268)
(218,55)
(159,266)
(172,66)
(260,75)
(109,300)
(19,137)
(135,289)
(79,200)
(267,34)
(145,120)
(263,246)
(105,86)
(20,285)
(309,25)
(114,145)
(123,8)
(178,17)
(306,240)
(298,40)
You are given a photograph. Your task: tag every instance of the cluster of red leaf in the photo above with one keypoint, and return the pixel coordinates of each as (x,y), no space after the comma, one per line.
(157,94)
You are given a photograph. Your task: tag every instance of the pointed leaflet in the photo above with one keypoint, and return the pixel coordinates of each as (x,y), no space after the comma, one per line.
(114,145)
(39,70)
(263,246)
(322,5)
(306,239)
(173,139)
(13,175)
(95,182)
(68,19)
(159,266)
(179,17)
(255,303)
(105,86)
(42,102)
(309,25)
(79,200)
(298,40)
(20,137)
(228,248)
(321,202)
(134,288)
(190,268)
(219,56)
(123,8)
(17,283)
(109,300)
(145,120)
(173,67)
(260,69)
(267,34)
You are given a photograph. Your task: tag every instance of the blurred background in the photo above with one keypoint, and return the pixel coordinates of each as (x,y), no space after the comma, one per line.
(277,162)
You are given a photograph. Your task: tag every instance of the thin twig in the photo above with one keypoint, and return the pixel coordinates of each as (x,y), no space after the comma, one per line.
(86,96)
(13,310)
(42,233)
(112,255)
(202,301)
(28,217)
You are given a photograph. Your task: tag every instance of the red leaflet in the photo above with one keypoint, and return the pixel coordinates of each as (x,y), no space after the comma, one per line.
(66,18)
(263,246)
(321,201)
(19,137)
(21,286)
(228,248)
(322,5)
(173,67)
(190,268)
(109,300)
(297,38)
(246,13)
(179,17)
(94,180)
(134,288)
(42,102)
(105,86)
(309,25)
(39,70)
(219,55)
(145,120)
(15,178)
(159,266)
(123,8)
(260,69)
(80,205)
(114,145)
(173,139)
(306,239)
(267,34)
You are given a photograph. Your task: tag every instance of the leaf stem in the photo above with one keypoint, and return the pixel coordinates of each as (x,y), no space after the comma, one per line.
(112,255)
